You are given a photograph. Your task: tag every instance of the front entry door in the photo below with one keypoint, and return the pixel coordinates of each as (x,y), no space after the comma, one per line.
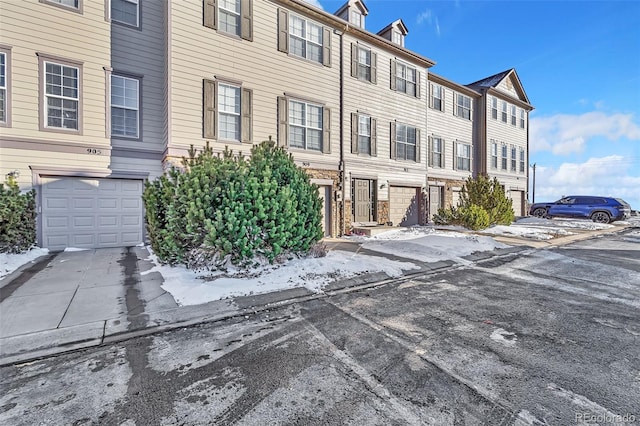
(363,200)
(435,200)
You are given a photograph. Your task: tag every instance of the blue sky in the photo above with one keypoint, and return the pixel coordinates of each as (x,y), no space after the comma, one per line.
(579,62)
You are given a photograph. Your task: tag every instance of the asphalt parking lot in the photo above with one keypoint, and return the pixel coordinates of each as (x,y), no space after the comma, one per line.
(540,337)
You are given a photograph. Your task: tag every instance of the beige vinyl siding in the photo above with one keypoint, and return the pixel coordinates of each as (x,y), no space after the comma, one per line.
(18,159)
(198,53)
(510,135)
(385,106)
(142,53)
(450,128)
(125,164)
(31,27)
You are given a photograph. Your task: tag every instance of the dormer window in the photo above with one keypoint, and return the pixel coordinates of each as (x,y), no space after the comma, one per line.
(397,38)
(356,18)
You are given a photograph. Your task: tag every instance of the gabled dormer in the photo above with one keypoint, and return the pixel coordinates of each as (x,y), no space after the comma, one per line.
(395,32)
(506,82)
(354,12)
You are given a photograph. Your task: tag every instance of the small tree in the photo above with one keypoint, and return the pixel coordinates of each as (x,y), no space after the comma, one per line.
(482,203)
(17,218)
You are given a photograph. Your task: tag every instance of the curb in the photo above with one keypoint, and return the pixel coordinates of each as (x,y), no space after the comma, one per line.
(115,330)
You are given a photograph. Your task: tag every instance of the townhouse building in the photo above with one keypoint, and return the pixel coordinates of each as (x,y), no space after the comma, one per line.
(97,96)
(502,134)
(451,117)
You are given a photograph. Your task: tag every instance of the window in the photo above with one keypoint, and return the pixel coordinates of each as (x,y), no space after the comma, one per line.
(230,16)
(504,112)
(227,109)
(305,125)
(522,119)
(406,79)
(396,37)
(363,63)
(513,158)
(436,150)
(233,17)
(356,18)
(4,95)
(504,157)
(125,11)
(229,112)
(406,143)
(494,155)
(125,111)
(436,101)
(513,115)
(363,134)
(522,162)
(61,96)
(463,106)
(463,156)
(305,39)
(71,4)
(494,108)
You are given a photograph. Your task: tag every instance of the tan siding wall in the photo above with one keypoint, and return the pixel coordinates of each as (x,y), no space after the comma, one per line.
(142,52)
(30,26)
(198,52)
(386,106)
(451,128)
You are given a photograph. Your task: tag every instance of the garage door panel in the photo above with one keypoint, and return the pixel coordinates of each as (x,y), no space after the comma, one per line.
(107,221)
(83,240)
(83,222)
(56,203)
(57,222)
(131,238)
(91,213)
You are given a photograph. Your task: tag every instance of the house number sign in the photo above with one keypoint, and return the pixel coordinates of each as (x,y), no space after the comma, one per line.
(94,151)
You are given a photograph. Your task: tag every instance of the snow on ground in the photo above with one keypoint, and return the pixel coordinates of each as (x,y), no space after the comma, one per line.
(428,244)
(192,288)
(544,229)
(11,262)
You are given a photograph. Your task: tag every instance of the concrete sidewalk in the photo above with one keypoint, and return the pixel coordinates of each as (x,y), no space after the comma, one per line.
(70,300)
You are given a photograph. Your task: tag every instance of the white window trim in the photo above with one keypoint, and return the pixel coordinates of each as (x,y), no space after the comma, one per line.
(440,153)
(406,143)
(514,121)
(224,112)
(460,106)
(361,64)
(494,108)
(522,162)
(367,135)
(360,18)
(440,90)
(306,126)
(460,157)
(514,163)
(58,3)
(503,115)
(494,155)
(46,97)
(504,157)
(224,10)
(137,24)
(306,40)
(398,76)
(137,109)
(5,88)
(522,119)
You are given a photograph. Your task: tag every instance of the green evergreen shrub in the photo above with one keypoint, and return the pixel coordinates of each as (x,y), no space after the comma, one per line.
(488,194)
(17,218)
(474,217)
(227,208)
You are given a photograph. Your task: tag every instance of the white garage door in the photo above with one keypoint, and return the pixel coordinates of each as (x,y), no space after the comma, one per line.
(91,213)
(403,205)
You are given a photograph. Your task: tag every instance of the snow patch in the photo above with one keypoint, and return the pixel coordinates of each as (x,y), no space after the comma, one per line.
(11,262)
(504,337)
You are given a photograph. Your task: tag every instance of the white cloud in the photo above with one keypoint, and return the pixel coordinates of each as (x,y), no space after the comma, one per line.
(613,175)
(429,18)
(315,3)
(564,134)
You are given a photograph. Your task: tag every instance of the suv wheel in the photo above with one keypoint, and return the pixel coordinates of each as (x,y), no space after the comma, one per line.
(540,212)
(601,217)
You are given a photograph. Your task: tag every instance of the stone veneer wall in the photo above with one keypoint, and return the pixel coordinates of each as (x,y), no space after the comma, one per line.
(383,212)
(448,192)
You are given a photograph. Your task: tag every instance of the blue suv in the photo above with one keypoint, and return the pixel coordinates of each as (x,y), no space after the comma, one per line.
(598,209)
